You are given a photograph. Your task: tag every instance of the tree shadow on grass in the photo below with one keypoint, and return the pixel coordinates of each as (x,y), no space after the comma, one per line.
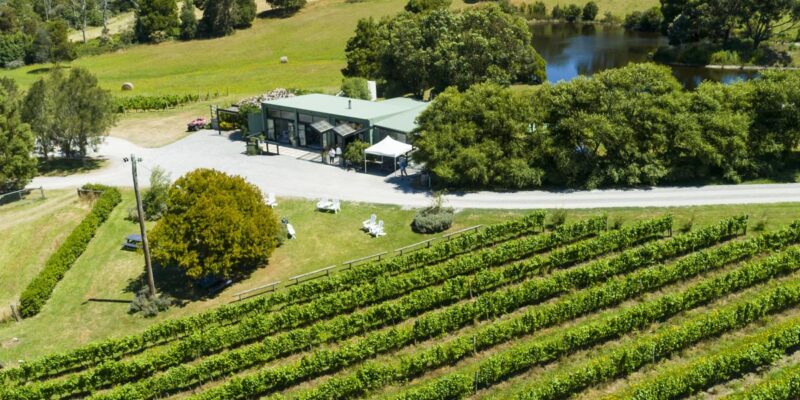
(173,281)
(276,13)
(69,166)
(46,70)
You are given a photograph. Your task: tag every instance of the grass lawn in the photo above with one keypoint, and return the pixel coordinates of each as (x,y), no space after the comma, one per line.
(30,230)
(106,273)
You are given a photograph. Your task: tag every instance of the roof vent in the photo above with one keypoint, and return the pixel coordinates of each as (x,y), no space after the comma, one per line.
(349,104)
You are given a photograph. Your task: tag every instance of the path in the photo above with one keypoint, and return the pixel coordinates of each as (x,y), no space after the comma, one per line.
(287,176)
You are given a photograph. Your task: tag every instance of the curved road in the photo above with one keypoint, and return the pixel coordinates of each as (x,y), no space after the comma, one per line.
(287,176)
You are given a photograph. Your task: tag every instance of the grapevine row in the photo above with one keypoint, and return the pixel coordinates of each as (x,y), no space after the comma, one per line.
(743,356)
(172,329)
(325,361)
(340,327)
(210,341)
(647,349)
(783,384)
(572,306)
(526,355)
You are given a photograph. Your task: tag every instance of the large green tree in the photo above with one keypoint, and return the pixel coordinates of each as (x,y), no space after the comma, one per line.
(188,21)
(413,53)
(214,224)
(287,6)
(17,164)
(156,20)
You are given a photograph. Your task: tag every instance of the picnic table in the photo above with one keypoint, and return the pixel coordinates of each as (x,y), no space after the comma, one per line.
(132,242)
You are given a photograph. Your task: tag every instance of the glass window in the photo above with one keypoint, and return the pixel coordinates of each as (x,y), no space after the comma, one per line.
(287,115)
(274,113)
(304,118)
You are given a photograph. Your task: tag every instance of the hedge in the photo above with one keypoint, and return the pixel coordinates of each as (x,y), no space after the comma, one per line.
(782,384)
(37,293)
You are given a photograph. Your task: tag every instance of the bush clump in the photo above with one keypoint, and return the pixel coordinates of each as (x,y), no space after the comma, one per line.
(150,306)
(37,293)
(434,219)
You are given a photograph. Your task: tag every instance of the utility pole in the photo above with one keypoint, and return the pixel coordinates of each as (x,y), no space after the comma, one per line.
(140,210)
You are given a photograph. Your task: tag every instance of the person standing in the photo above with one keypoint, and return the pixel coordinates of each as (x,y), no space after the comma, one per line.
(403,165)
(339,155)
(332,156)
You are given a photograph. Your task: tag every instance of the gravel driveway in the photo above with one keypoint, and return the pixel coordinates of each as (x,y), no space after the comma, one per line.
(287,176)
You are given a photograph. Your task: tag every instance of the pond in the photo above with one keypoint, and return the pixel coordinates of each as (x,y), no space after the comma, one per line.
(572,50)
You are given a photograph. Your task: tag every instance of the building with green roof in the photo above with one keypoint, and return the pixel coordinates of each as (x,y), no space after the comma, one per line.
(321,121)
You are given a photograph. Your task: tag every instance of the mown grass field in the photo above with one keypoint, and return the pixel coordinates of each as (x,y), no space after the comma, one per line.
(30,230)
(448,325)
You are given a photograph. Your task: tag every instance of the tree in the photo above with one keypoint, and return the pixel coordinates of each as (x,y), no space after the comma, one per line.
(17,166)
(572,12)
(590,11)
(85,112)
(418,6)
(39,109)
(413,53)
(215,225)
(356,88)
(287,6)
(364,49)
(762,19)
(557,13)
(537,10)
(156,20)
(12,47)
(188,21)
(244,12)
(51,44)
(154,200)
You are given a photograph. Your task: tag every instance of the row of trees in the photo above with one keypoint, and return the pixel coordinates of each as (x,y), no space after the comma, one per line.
(624,127)
(687,21)
(158,20)
(434,49)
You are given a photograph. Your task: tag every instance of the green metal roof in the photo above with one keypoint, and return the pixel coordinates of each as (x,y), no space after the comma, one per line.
(403,122)
(372,111)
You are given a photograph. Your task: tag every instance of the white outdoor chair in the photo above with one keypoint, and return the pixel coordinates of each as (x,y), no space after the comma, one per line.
(323,204)
(271,200)
(370,223)
(336,206)
(290,230)
(378,231)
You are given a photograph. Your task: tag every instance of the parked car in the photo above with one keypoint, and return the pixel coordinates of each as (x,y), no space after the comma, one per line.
(196,125)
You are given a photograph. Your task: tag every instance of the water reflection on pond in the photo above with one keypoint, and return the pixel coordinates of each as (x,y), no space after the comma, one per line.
(583,49)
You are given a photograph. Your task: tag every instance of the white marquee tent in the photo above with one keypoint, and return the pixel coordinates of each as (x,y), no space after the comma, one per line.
(387,147)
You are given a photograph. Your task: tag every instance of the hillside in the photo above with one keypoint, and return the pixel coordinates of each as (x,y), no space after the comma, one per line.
(248,61)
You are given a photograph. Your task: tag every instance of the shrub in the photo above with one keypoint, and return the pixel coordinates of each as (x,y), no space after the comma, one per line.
(154,200)
(150,307)
(687,226)
(725,57)
(434,219)
(354,153)
(537,10)
(37,293)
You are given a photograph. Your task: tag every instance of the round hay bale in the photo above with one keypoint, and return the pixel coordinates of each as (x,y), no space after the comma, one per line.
(127,86)
(284,60)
